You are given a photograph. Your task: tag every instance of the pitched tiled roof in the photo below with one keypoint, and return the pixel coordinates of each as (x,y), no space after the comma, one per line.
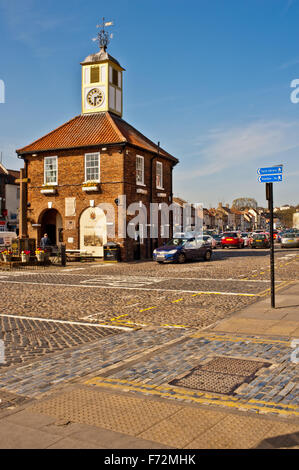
(179,201)
(92,130)
(14,173)
(6,172)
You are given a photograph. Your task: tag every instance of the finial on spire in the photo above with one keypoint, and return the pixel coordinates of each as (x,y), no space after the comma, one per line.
(103,36)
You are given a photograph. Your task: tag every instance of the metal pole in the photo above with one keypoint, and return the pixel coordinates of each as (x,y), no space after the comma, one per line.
(269,191)
(63,255)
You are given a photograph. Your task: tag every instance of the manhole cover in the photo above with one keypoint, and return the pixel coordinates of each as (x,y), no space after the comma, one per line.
(220,375)
(229,365)
(210,382)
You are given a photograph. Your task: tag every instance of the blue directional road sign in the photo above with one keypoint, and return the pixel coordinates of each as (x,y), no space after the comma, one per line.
(270,178)
(274,170)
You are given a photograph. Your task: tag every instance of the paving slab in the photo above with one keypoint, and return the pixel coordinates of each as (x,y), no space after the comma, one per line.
(15,436)
(68,443)
(144,423)
(284,327)
(260,319)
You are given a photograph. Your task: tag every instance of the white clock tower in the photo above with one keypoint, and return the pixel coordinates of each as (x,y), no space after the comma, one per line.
(102,80)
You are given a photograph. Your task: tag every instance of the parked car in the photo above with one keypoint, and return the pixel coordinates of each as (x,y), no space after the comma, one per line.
(290,240)
(246,238)
(179,250)
(217,239)
(260,240)
(210,240)
(232,239)
(275,235)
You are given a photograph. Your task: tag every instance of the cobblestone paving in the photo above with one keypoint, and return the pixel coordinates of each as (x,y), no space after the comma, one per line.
(41,375)
(147,293)
(277,385)
(26,340)
(274,389)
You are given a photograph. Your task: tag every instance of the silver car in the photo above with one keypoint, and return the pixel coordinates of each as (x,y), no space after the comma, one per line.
(290,240)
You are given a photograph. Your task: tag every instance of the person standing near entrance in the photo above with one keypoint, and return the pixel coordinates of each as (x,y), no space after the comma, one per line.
(45,242)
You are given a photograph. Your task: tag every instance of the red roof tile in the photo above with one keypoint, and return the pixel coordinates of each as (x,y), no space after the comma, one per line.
(91,130)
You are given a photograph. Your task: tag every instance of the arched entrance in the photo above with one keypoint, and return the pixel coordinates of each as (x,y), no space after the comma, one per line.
(93,231)
(51,223)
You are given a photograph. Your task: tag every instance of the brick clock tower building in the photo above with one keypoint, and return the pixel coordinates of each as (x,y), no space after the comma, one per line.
(91,160)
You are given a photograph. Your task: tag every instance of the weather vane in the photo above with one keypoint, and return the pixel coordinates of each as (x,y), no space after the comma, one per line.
(103,36)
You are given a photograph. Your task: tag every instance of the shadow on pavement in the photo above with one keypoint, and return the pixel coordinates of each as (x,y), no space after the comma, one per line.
(284,440)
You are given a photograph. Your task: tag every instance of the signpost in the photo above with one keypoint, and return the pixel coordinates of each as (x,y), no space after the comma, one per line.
(269,176)
(270,179)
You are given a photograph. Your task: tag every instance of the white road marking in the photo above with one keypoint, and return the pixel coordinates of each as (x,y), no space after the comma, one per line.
(65,322)
(121,282)
(92,315)
(97,278)
(129,288)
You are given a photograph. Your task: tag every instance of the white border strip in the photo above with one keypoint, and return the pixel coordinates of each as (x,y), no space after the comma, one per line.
(120,277)
(129,288)
(66,322)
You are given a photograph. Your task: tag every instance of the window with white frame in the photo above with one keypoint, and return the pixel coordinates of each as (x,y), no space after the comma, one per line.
(159,175)
(92,167)
(50,170)
(139,170)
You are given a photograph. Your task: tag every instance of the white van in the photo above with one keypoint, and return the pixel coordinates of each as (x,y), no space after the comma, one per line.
(6,238)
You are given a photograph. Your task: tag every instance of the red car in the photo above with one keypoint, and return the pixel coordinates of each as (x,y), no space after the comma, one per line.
(232,239)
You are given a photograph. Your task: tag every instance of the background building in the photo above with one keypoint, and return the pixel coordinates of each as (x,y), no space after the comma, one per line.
(9,199)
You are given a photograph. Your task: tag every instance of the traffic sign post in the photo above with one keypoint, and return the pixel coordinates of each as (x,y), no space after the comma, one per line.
(270,179)
(269,176)
(269,196)
(274,170)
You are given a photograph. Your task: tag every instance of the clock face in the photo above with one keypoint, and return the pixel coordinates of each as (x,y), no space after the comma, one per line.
(95,97)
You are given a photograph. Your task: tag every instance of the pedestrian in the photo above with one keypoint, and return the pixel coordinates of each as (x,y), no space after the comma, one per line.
(45,241)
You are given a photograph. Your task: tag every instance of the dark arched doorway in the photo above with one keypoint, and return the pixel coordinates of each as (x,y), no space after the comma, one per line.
(51,223)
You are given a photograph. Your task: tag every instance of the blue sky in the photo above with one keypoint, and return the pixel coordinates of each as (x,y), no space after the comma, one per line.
(210,80)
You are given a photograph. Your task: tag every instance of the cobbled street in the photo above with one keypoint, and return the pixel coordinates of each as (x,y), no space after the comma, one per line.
(142,327)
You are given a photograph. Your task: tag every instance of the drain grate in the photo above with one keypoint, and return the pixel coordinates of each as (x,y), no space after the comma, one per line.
(220,375)
(229,365)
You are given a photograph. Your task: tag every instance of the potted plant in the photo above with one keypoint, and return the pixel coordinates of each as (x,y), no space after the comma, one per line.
(90,186)
(25,256)
(7,256)
(40,254)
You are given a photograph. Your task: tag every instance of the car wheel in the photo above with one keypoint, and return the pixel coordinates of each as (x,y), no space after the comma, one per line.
(160,262)
(181,258)
(223,247)
(208,256)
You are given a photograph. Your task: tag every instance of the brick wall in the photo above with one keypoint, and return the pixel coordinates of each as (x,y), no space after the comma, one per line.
(118,177)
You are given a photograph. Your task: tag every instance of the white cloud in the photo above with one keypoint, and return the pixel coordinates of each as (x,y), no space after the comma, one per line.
(224,149)
(291,63)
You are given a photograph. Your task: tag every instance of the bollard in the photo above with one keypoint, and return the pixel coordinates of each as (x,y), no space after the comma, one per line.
(63,255)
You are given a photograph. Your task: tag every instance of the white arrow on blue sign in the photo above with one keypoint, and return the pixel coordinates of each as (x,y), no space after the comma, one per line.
(274,170)
(270,178)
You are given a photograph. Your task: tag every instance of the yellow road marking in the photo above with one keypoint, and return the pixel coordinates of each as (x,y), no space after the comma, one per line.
(209,399)
(236,339)
(145,309)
